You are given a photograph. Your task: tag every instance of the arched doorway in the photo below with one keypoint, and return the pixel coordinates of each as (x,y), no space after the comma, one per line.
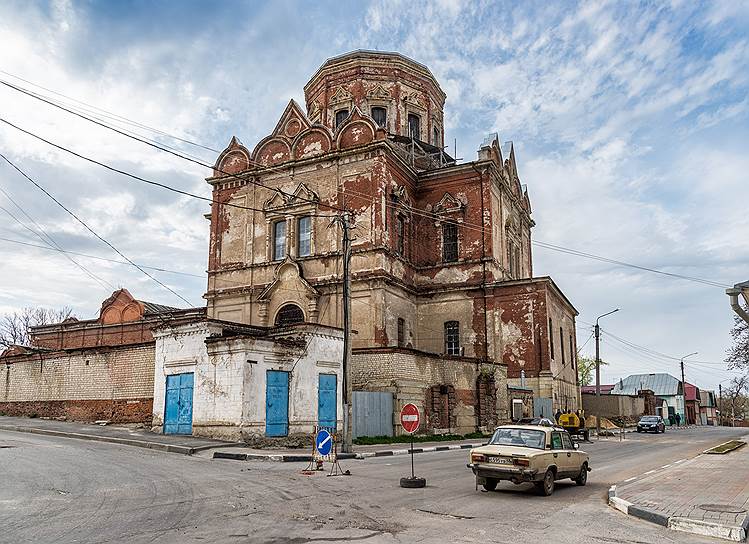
(288,315)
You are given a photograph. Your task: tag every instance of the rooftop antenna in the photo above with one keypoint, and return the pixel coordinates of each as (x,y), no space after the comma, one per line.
(455,149)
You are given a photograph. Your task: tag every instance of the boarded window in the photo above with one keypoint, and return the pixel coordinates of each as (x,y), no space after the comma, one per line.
(289,314)
(449,242)
(304,236)
(340,117)
(380,116)
(452,338)
(414,126)
(572,354)
(401,332)
(279,240)
(400,226)
(551,338)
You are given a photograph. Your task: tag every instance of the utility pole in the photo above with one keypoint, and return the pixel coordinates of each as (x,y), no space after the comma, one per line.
(720,404)
(345,219)
(598,373)
(684,386)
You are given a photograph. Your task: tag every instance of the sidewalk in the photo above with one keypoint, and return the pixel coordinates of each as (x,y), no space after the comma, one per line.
(189,445)
(707,495)
(117,434)
(360,452)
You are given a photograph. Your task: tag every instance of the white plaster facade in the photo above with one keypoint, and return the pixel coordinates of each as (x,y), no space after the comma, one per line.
(230,364)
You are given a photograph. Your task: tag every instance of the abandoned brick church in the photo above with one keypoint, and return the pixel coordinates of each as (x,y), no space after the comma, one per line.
(446,311)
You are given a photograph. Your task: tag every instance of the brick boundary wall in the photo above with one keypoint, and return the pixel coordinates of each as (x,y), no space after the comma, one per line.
(115,410)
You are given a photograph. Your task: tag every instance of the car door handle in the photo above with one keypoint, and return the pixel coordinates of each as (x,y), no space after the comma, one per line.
(556,455)
(569,455)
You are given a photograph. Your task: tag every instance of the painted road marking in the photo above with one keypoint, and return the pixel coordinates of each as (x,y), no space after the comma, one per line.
(666,466)
(630,479)
(679,461)
(649,472)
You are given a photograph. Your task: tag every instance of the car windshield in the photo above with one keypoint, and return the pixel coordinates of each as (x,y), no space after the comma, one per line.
(519,437)
(649,420)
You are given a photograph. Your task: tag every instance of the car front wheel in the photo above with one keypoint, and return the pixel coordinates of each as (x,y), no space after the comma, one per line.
(490,484)
(582,479)
(546,486)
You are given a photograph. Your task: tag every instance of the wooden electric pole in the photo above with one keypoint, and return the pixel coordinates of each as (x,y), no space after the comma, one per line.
(346,220)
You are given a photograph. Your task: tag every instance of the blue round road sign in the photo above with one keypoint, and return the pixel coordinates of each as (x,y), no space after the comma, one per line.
(324,442)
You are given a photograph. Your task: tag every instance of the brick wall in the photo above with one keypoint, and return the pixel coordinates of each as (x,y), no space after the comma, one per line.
(114,384)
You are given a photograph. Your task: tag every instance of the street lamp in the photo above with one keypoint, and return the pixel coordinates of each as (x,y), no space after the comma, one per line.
(684,385)
(598,372)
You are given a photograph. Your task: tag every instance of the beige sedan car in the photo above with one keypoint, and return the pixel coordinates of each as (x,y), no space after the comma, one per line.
(529,453)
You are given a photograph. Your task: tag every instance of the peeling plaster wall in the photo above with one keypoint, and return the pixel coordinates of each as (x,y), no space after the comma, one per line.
(230,378)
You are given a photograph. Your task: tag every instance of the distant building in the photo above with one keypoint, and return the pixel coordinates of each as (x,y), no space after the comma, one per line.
(591,389)
(708,407)
(692,404)
(90,369)
(664,386)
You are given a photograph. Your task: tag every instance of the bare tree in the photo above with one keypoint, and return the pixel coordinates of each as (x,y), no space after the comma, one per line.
(735,399)
(14,327)
(737,356)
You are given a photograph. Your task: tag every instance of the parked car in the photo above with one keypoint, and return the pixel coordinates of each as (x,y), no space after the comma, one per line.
(529,453)
(651,424)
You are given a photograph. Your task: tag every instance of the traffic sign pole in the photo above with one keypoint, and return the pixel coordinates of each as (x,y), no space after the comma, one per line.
(410,421)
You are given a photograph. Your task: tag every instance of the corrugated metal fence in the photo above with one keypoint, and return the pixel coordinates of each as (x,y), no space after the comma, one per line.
(373,413)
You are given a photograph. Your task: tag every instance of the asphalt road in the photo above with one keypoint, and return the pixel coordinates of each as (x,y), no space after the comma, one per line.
(62,490)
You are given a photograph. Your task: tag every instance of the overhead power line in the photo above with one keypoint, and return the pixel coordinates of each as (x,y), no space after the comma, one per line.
(416,211)
(140,178)
(46,238)
(60,204)
(97,257)
(91,108)
(160,147)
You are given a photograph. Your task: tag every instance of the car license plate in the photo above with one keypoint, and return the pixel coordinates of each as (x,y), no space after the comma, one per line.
(500,460)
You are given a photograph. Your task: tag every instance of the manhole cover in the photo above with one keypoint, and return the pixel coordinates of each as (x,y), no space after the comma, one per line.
(727,508)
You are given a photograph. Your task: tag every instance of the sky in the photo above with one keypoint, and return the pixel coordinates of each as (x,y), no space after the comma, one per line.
(630,123)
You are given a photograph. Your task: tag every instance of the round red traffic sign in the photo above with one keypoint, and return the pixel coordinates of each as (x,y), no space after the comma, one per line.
(410,418)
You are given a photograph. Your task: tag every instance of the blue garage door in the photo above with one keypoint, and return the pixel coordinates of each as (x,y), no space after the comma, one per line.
(178,412)
(327,400)
(277,403)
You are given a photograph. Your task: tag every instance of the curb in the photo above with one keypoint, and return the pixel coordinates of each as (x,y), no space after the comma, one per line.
(157,446)
(286,458)
(698,527)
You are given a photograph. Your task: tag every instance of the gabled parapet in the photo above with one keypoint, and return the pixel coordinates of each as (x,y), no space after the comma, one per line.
(296,138)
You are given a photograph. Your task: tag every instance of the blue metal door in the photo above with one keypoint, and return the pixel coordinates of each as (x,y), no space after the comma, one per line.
(277,403)
(327,396)
(178,411)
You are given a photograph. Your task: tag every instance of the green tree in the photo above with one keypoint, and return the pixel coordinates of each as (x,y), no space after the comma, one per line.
(586,369)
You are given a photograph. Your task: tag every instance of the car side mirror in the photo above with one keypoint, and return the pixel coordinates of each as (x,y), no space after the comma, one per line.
(576,446)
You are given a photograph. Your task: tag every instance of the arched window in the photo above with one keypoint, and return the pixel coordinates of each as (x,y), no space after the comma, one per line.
(452,338)
(380,116)
(414,126)
(289,314)
(340,117)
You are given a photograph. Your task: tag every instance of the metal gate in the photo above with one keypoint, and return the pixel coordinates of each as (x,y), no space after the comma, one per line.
(542,407)
(327,400)
(373,413)
(178,409)
(277,403)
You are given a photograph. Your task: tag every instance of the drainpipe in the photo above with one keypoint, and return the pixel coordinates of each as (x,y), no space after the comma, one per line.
(743,290)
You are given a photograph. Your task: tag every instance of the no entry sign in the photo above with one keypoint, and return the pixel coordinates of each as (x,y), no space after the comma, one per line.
(410,418)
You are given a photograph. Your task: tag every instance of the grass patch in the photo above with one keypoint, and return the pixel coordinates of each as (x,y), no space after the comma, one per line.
(406,439)
(726,447)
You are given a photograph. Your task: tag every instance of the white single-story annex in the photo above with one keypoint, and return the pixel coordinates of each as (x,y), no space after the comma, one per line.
(238,382)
